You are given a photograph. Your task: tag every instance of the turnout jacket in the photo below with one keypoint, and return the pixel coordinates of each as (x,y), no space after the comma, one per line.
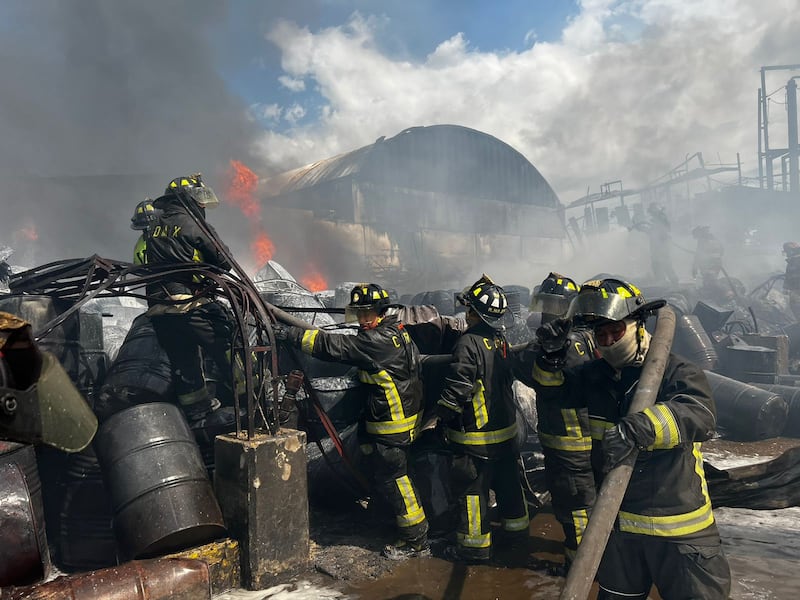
(668,494)
(388,365)
(175,238)
(792,278)
(477,403)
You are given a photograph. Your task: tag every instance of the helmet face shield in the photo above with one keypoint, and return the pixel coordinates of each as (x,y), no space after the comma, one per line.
(549,304)
(203,195)
(591,305)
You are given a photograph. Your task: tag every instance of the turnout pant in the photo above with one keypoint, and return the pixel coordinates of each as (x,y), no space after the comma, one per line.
(389,467)
(472,478)
(183,335)
(632,563)
(573,493)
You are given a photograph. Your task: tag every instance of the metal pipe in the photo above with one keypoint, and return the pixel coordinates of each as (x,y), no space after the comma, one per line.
(791,110)
(604,512)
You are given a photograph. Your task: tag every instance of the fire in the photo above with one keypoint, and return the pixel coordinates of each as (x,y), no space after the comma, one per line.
(262,248)
(241,188)
(27,233)
(314,281)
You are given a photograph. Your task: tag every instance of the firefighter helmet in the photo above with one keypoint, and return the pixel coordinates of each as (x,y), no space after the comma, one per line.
(143,214)
(194,187)
(368,296)
(486,298)
(554,295)
(611,300)
(791,248)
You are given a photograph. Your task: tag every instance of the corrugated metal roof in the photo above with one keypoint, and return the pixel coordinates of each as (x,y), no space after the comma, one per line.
(440,158)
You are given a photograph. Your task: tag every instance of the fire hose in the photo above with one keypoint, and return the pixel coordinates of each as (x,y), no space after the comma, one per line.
(604,512)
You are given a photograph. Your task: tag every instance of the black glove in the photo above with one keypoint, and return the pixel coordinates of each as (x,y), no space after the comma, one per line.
(618,444)
(553,336)
(282,333)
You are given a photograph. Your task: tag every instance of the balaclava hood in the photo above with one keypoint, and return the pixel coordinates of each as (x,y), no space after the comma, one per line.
(630,349)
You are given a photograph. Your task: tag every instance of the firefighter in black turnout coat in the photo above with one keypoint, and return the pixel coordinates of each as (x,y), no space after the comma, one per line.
(389,366)
(665,533)
(563,432)
(479,417)
(183,310)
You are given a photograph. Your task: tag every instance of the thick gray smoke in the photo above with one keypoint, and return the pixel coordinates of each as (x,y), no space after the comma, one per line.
(103,103)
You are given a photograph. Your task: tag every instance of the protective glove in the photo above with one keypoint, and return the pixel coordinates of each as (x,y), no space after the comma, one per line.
(553,337)
(618,444)
(283,333)
(440,414)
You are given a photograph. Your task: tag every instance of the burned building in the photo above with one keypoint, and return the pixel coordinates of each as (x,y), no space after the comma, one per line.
(425,209)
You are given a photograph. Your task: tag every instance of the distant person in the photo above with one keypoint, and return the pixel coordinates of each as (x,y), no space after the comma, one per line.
(665,533)
(791,282)
(661,245)
(708,254)
(143,215)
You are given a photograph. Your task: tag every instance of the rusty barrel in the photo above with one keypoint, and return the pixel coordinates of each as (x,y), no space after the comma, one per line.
(160,579)
(692,341)
(750,363)
(792,396)
(24,557)
(745,412)
(160,492)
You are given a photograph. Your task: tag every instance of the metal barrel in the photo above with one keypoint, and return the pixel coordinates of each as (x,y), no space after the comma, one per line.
(745,412)
(160,579)
(139,374)
(792,396)
(24,557)
(750,363)
(87,538)
(160,492)
(692,341)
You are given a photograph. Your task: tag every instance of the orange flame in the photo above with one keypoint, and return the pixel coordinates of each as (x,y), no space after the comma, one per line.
(241,188)
(313,280)
(262,248)
(28,233)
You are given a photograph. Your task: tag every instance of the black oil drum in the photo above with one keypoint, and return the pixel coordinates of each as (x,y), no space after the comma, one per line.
(792,396)
(160,492)
(745,412)
(755,364)
(87,538)
(692,342)
(24,557)
(140,373)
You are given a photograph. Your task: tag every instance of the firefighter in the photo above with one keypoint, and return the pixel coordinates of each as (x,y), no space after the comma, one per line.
(185,314)
(143,215)
(38,401)
(708,255)
(563,432)
(665,533)
(661,245)
(791,282)
(389,366)
(478,413)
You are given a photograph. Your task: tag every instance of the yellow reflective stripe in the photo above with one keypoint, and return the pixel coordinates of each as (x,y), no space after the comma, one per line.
(547,378)
(674,525)
(474,538)
(414,515)
(393,427)
(307,343)
(196,256)
(517,524)
(598,427)
(386,383)
(566,443)
(193,397)
(580,520)
(479,405)
(480,438)
(666,427)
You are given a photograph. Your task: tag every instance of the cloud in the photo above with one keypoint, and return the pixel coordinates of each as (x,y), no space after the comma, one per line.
(627,92)
(292,84)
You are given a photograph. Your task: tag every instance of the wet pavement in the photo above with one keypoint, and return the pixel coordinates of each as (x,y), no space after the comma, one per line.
(763,548)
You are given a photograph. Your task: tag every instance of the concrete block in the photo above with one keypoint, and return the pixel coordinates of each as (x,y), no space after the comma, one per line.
(262,489)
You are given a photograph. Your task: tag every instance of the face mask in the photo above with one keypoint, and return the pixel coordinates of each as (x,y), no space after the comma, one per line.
(630,349)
